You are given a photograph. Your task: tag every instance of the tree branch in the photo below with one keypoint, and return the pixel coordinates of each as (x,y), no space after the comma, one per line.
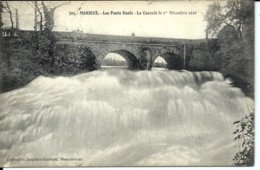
(61,5)
(10,14)
(227,23)
(44,6)
(31,4)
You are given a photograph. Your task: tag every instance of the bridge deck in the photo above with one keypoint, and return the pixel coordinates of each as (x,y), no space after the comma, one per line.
(125,39)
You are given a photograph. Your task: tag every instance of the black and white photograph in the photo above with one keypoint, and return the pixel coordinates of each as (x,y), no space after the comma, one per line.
(127,83)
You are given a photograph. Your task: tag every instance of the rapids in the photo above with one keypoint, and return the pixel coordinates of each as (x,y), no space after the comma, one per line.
(122,118)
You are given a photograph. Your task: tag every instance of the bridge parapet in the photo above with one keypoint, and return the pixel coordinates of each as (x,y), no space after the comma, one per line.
(126,39)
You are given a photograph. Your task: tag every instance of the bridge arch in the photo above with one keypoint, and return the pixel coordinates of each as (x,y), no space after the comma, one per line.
(173,61)
(159,62)
(130,58)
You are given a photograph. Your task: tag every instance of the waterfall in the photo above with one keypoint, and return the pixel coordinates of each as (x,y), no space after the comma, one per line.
(122,118)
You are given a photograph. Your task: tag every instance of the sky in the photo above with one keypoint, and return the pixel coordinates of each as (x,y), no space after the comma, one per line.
(114,56)
(177,21)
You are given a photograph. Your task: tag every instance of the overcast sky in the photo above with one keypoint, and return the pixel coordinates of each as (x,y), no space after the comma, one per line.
(171,26)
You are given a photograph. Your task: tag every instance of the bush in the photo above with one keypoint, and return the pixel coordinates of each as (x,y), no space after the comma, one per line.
(45,46)
(245,133)
(87,59)
(70,58)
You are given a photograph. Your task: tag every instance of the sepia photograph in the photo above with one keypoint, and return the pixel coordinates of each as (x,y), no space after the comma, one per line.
(127,83)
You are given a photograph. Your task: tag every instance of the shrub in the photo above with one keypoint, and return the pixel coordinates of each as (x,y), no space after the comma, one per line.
(245,133)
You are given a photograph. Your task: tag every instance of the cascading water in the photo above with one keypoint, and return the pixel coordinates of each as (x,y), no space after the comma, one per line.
(122,118)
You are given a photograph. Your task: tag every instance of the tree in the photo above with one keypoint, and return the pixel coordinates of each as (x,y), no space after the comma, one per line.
(45,39)
(7,8)
(37,12)
(49,15)
(240,14)
(245,133)
(1,45)
(1,23)
(214,18)
(234,20)
(236,13)
(235,54)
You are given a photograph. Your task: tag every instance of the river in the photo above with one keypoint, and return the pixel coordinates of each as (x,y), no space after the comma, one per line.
(117,117)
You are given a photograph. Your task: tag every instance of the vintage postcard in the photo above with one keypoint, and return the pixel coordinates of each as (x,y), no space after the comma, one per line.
(127,83)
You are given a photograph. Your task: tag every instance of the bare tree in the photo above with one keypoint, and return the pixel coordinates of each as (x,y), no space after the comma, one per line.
(37,13)
(1,10)
(41,17)
(49,15)
(7,8)
(1,47)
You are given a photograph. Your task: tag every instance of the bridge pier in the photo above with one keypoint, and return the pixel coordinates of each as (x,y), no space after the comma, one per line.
(145,60)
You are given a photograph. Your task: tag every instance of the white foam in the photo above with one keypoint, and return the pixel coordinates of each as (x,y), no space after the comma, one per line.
(120,117)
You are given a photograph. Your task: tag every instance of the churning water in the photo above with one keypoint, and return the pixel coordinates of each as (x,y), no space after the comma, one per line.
(120,117)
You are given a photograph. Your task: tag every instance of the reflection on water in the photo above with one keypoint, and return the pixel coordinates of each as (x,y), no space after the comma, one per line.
(119,117)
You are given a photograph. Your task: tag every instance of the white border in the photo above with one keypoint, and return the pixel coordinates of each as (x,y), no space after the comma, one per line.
(257,117)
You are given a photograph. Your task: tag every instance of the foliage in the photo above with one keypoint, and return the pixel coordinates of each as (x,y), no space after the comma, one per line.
(245,133)
(233,23)
(234,12)
(42,43)
(44,39)
(239,12)
(214,18)
(88,59)
(49,17)
(71,59)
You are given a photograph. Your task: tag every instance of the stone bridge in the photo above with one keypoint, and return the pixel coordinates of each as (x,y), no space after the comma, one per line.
(139,52)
